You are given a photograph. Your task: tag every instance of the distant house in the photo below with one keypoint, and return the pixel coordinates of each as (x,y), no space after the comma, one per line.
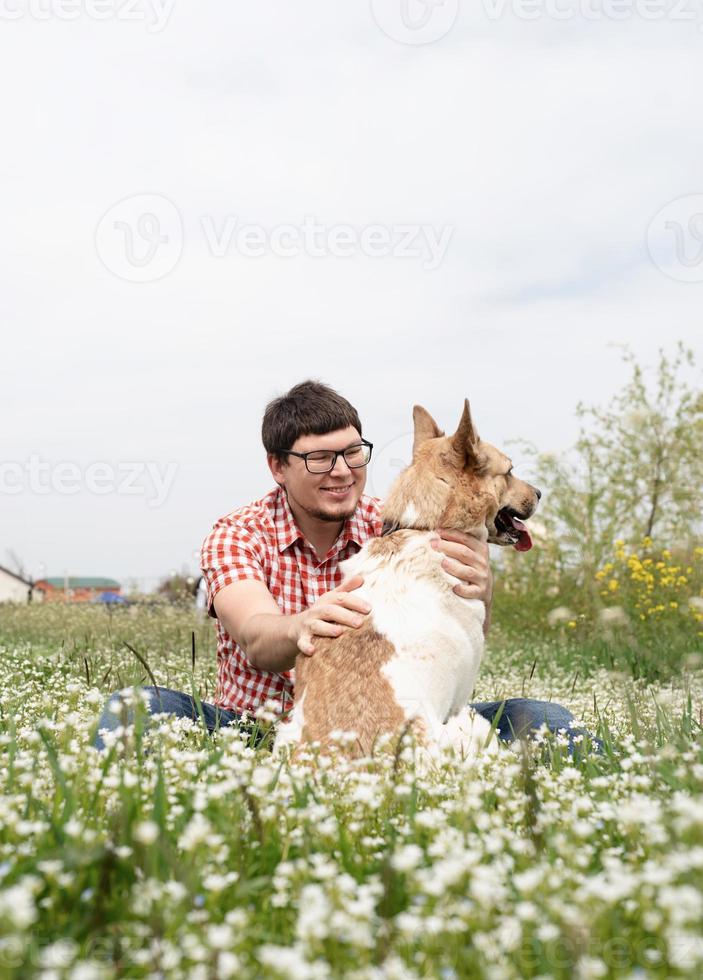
(14,588)
(75,589)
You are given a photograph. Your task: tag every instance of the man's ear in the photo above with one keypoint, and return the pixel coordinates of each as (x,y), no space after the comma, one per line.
(425,427)
(465,440)
(276,467)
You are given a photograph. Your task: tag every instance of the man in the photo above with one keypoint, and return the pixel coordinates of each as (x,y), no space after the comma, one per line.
(272,568)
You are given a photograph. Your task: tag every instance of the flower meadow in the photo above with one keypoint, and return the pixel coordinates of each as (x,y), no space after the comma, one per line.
(641,610)
(176,854)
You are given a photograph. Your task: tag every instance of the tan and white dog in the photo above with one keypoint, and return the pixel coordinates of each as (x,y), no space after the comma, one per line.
(414,661)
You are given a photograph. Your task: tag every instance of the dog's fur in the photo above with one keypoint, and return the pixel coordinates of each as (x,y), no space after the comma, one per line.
(414,661)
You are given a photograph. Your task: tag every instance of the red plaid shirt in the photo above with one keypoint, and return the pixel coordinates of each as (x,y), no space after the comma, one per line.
(263,542)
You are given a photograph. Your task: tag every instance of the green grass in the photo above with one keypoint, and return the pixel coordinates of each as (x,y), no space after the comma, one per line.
(179,855)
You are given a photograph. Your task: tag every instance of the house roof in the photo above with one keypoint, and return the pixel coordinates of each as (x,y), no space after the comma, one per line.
(14,575)
(80,582)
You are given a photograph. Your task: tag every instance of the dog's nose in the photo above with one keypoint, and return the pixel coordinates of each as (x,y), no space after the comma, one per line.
(538,492)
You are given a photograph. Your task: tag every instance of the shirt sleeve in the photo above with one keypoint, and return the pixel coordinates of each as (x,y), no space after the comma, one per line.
(230,553)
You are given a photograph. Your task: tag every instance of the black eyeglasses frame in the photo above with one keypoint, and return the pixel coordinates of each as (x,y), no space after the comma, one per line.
(337,454)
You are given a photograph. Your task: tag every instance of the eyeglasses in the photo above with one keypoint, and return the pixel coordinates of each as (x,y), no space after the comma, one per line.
(324,460)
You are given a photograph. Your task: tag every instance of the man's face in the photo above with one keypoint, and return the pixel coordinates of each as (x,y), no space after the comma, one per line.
(329,496)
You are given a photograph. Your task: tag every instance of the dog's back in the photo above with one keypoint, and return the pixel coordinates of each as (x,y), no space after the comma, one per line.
(412,662)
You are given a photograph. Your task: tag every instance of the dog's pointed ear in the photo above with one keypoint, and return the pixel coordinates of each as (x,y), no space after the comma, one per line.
(425,427)
(465,440)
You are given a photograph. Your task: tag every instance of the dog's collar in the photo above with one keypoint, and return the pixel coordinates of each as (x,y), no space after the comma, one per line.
(389,528)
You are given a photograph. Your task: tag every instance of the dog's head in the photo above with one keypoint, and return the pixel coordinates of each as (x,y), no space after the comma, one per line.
(460,482)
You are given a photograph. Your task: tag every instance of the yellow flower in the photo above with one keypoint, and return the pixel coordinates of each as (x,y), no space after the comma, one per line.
(613,585)
(674,605)
(571,624)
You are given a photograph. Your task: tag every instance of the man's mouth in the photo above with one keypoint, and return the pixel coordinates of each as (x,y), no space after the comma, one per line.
(338,491)
(508,524)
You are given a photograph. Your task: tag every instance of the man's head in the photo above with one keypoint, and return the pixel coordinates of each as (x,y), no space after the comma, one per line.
(313,418)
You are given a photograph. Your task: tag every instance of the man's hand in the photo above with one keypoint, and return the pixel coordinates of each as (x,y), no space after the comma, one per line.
(330,615)
(466,558)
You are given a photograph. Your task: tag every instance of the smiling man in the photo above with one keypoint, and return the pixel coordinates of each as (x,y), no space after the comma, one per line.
(272,568)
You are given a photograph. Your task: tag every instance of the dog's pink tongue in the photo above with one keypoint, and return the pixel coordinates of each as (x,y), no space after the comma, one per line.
(524,542)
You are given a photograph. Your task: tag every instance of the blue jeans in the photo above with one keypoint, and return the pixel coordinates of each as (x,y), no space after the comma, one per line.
(518,717)
(171,702)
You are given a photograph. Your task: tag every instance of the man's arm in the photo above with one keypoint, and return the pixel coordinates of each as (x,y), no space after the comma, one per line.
(271,641)
(249,613)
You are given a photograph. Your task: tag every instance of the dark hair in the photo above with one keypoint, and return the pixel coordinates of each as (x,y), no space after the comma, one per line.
(308,408)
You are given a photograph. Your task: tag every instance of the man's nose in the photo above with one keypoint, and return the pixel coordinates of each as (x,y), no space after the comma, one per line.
(345,465)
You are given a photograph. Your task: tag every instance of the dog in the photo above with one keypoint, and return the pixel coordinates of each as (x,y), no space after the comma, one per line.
(413,663)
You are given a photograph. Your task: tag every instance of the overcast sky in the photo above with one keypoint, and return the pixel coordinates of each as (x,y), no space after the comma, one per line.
(204,203)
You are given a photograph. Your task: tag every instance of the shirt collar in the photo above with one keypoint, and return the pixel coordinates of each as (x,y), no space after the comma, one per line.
(288,532)
(352,530)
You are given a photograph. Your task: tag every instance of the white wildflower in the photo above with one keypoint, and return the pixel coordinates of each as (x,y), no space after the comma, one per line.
(218,882)
(613,616)
(73,827)
(228,965)
(290,962)
(59,955)
(220,936)
(17,902)
(88,970)
(562,614)
(407,858)
(590,968)
(146,832)
(196,832)
(313,917)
